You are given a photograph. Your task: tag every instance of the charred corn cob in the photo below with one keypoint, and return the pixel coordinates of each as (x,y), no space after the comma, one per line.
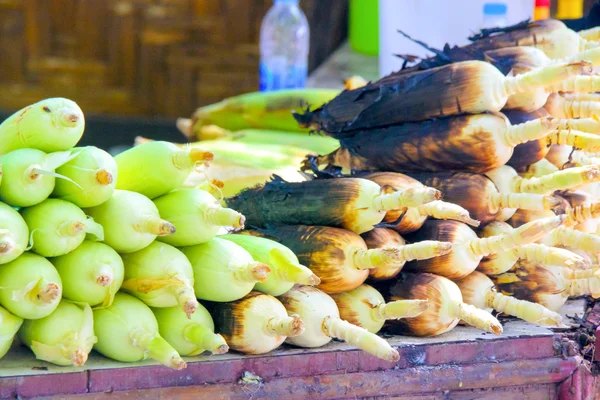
(479,291)
(380,238)
(323,322)
(478,194)
(468,249)
(409,219)
(338,257)
(352,203)
(475,143)
(446,306)
(530,152)
(365,307)
(256,324)
(498,263)
(548,286)
(468,87)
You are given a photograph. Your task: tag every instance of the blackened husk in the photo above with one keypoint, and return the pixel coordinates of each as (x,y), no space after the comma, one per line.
(326,202)
(428,146)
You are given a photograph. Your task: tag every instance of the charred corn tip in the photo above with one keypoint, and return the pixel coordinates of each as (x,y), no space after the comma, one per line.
(104,177)
(190,307)
(166,228)
(260,271)
(79,357)
(197,155)
(50,293)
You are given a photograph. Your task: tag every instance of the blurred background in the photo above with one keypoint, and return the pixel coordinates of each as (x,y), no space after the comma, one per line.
(136,65)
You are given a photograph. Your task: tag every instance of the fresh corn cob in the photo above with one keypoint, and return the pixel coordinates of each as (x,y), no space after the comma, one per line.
(352,203)
(365,307)
(475,143)
(478,194)
(262,110)
(380,238)
(498,263)
(468,87)
(409,219)
(338,257)
(548,286)
(468,249)
(446,306)
(323,322)
(286,270)
(479,291)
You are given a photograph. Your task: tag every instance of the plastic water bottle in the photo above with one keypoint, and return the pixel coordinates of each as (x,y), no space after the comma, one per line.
(284,42)
(494,15)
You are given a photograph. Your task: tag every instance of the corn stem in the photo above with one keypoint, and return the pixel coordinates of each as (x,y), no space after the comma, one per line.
(530,130)
(525,310)
(564,179)
(361,338)
(546,255)
(578,84)
(158,349)
(580,140)
(410,197)
(526,201)
(573,238)
(562,107)
(205,338)
(583,213)
(251,272)
(478,318)
(447,211)
(399,309)
(373,258)
(157,226)
(585,286)
(423,250)
(104,177)
(289,326)
(186,159)
(222,216)
(590,125)
(544,76)
(104,275)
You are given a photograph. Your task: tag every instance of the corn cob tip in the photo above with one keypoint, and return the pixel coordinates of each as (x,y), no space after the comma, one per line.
(296,326)
(392,356)
(190,307)
(464,217)
(222,349)
(104,177)
(177,363)
(166,228)
(104,280)
(79,357)
(50,293)
(199,156)
(70,117)
(260,271)
(496,328)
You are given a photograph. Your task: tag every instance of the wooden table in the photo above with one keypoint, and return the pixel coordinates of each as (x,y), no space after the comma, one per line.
(526,362)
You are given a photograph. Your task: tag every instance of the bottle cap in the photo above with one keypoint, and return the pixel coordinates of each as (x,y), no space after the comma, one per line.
(494,9)
(542,3)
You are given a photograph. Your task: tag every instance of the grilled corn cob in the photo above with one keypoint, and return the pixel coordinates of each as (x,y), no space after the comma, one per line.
(475,143)
(409,219)
(338,257)
(365,307)
(323,322)
(255,324)
(498,263)
(468,249)
(380,238)
(548,286)
(446,306)
(352,203)
(468,87)
(478,194)
(479,291)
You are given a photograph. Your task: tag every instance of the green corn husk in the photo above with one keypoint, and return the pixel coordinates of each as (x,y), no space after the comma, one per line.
(9,325)
(286,270)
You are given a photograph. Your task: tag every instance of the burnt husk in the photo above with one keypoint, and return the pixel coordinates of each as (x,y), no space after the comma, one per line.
(471,191)
(429,146)
(326,202)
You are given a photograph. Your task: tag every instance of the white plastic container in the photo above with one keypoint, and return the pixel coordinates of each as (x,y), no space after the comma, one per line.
(435,22)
